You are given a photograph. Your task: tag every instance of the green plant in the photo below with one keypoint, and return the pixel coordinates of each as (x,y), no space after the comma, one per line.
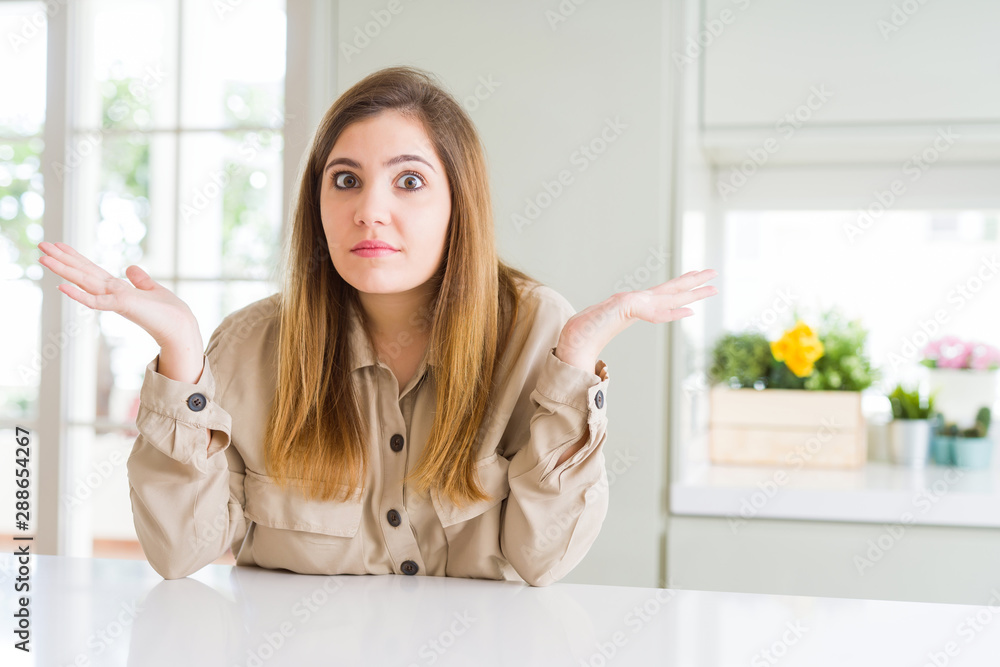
(980,430)
(843,365)
(908,404)
(740,359)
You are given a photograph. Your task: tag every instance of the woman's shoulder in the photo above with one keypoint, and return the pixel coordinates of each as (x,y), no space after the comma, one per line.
(544,301)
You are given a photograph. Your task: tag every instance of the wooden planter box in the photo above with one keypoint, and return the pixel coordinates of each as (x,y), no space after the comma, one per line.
(787,427)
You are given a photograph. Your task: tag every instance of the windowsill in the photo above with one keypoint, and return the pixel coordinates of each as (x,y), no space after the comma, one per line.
(877,493)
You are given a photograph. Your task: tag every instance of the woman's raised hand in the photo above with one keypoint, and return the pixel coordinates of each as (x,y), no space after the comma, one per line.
(589,331)
(148,304)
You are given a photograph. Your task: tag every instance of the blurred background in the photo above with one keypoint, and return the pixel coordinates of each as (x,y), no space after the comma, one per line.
(822,157)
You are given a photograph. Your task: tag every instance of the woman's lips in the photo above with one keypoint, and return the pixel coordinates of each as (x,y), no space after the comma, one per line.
(374,252)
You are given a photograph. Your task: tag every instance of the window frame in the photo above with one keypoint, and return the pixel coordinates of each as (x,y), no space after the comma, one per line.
(310,86)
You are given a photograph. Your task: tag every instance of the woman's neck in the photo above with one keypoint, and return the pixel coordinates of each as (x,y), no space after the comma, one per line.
(391,315)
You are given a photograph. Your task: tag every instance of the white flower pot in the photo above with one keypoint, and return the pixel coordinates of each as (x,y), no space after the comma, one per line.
(910,441)
(962,391)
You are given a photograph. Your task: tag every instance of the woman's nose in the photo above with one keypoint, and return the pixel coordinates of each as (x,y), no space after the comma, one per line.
(373,205)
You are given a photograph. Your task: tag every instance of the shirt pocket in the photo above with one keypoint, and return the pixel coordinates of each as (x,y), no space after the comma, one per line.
(473,531)
(303,534)
(492,473)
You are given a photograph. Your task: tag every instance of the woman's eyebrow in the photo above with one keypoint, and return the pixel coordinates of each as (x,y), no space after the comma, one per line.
(388,163)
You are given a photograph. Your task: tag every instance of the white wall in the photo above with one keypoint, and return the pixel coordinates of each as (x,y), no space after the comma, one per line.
(557,86)
(849,82)
(883,62)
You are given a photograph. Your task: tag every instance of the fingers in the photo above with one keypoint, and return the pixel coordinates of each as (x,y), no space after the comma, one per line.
(686,281)
(78,277)
(139,278)
(674,302)
(102,302)
(96,283)
(68,256)
(77,295)
(664,306)
(65,262)
(684,298)
(68,249)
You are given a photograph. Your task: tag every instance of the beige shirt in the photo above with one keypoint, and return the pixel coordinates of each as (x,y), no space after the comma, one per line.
(192,498)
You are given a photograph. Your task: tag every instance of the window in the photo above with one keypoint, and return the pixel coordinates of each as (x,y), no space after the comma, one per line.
(893,273)
(174,161)
(917,261)
(799,240)
(22,204)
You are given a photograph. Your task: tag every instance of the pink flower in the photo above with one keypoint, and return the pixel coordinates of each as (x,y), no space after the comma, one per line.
(949,362)
(984,356)
(952,352)
(932,350)
(942,350)
(965,353)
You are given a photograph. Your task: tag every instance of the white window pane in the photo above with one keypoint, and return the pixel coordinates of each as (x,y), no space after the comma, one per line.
(693,396)
(102,483)
(234,64)
(127,64)
(230,205)
(22,360)
(212,301)
(899,272)
(23,26)
(22,204)
(122,351)
(124,208)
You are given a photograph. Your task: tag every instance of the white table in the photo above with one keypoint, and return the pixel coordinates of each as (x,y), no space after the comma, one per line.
(120,612)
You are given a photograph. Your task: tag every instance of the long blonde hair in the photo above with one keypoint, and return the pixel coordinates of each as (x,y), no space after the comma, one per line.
(315,433)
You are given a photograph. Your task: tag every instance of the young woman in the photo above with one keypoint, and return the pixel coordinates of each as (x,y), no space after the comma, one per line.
(407,403)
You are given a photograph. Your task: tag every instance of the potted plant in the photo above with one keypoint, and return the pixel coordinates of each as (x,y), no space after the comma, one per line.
(942,450)
(910,430)
(970,447)
(965,374)
(741,360)
(795,400)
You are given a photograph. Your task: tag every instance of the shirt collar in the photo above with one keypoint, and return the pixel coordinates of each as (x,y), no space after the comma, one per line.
(362,354)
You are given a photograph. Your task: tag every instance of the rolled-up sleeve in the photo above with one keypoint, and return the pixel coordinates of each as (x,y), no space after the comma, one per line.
(554,513)
(185,512)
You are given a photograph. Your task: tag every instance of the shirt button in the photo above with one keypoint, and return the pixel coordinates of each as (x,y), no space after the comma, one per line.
(396,443)
(196,402)
(409,567)
(599,399)
(393,517)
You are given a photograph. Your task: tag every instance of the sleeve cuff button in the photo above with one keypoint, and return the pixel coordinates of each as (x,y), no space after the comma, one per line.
(599,399)
(196,402)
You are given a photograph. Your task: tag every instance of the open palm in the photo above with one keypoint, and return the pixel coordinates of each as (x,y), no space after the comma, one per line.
(589,331)
(145,302)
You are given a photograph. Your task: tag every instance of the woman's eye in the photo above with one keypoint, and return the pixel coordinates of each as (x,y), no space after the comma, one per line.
(345,179)
(410,182)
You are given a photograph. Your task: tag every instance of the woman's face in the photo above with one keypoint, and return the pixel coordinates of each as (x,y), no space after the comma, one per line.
(383,181)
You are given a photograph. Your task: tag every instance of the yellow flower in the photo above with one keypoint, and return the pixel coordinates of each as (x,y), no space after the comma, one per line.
(799,348)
